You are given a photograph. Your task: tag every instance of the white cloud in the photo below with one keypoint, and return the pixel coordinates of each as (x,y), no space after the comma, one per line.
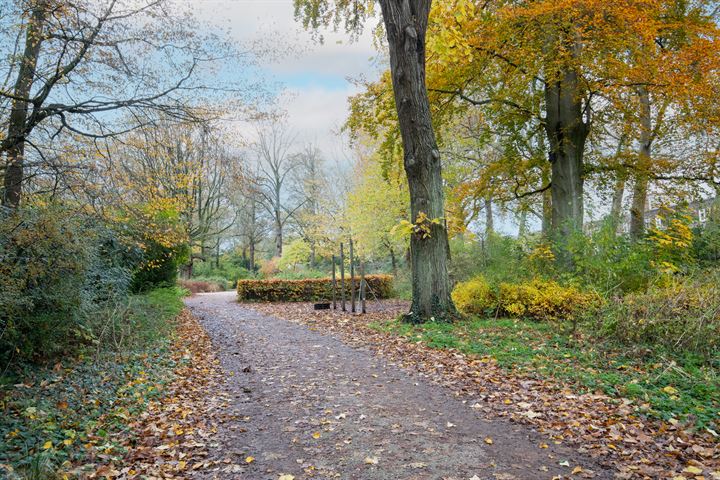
(314,74)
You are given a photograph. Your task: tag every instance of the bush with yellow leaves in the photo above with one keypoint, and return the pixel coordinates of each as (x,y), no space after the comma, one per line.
(545,300)
(474,297)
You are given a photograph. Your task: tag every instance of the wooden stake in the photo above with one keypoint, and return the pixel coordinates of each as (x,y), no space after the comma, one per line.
(334,286)
(352,278)
(342,277)
(363,287)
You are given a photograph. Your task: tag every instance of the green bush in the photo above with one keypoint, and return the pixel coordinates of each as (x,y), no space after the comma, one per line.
(51,270)
(159,267)
(474,297)
(315,289)
(683,316)
(229,269)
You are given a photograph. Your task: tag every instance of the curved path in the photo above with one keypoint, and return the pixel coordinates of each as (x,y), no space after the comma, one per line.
(307,405)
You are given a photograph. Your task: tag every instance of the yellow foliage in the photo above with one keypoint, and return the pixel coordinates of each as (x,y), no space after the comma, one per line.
(474,296)
(545,300)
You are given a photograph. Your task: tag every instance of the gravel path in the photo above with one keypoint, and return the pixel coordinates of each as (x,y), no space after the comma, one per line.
(307,405)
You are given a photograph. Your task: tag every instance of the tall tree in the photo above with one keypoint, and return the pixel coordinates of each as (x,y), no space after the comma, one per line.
(275,165)
(406,25)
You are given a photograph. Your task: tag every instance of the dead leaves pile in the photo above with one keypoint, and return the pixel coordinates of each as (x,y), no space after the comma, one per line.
(610,429)
(172,438)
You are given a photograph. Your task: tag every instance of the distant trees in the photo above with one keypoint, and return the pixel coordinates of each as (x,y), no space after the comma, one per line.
(275,164)
(81,68)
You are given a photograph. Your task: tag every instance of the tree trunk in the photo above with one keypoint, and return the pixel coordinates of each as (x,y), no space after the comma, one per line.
(616,208)
(251,249)
(566,133)
(14,144)
(313,255)
(393,261)
(642,171)
(488,217)
(278,235)
(405,25)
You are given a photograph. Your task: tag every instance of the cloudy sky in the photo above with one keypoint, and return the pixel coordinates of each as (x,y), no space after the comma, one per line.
(315,78)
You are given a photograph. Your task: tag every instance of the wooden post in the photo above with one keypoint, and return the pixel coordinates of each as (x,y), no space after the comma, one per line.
(363,287)
(352,278)
(342,277)
(334,286)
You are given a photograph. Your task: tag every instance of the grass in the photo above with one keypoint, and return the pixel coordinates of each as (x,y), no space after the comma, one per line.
(666,387)
(55,417)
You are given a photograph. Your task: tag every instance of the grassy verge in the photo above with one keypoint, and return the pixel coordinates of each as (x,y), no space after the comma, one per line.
(74,412)
(664,386)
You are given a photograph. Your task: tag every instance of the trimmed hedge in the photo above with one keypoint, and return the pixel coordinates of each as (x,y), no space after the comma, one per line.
(308,290)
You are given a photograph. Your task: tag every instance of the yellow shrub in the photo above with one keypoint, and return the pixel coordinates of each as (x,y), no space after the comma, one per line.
(473,296)
(545,300)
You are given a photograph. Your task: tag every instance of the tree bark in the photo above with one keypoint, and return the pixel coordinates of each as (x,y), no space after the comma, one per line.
(278,235)
(393,261)
(489,226)
(406,25)
(14,143)
(642,171)
(251,249)
(566,133)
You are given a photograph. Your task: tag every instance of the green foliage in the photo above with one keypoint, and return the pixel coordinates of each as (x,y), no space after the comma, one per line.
(682,315)
(294,254)
(474,297)
(232,267)
(86,402)
(665,386)
(498,258)
(58,266)
(300,274)
(315,289)
(608,262)
(160,266)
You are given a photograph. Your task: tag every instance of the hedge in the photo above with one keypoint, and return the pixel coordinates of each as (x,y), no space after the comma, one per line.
(308,290)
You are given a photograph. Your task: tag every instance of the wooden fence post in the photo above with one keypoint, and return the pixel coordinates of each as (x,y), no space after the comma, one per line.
(342,277)
(352,278)
(363,287)
(334,286)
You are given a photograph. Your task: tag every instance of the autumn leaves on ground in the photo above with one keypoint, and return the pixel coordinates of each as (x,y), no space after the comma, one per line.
(525,194)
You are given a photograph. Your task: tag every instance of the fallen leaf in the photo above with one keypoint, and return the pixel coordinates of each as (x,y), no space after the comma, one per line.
(371,460)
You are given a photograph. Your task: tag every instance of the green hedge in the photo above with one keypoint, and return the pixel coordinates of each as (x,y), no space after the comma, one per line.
(308,290)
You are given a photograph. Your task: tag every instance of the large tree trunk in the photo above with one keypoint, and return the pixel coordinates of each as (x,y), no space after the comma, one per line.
(406,25)
(278,235)
(642,171)
(252,255)
(566,133)
(14,143)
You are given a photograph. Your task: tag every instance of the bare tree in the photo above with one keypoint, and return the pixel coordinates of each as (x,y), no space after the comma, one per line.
(89,65)
(275,165)
(309,183)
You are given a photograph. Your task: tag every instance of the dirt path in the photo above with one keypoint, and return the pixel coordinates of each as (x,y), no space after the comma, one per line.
(307,405)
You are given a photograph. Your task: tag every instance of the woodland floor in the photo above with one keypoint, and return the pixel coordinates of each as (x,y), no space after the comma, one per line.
(305,403)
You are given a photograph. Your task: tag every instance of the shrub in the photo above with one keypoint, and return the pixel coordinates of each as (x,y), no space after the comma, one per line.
(474,297)
(683,316)
(268,268)
(545,300)
(58,267)
(205,284)
(159,267)
(315,289)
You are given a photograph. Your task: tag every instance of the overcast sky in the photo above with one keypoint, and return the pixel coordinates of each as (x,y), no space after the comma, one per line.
(314,77)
